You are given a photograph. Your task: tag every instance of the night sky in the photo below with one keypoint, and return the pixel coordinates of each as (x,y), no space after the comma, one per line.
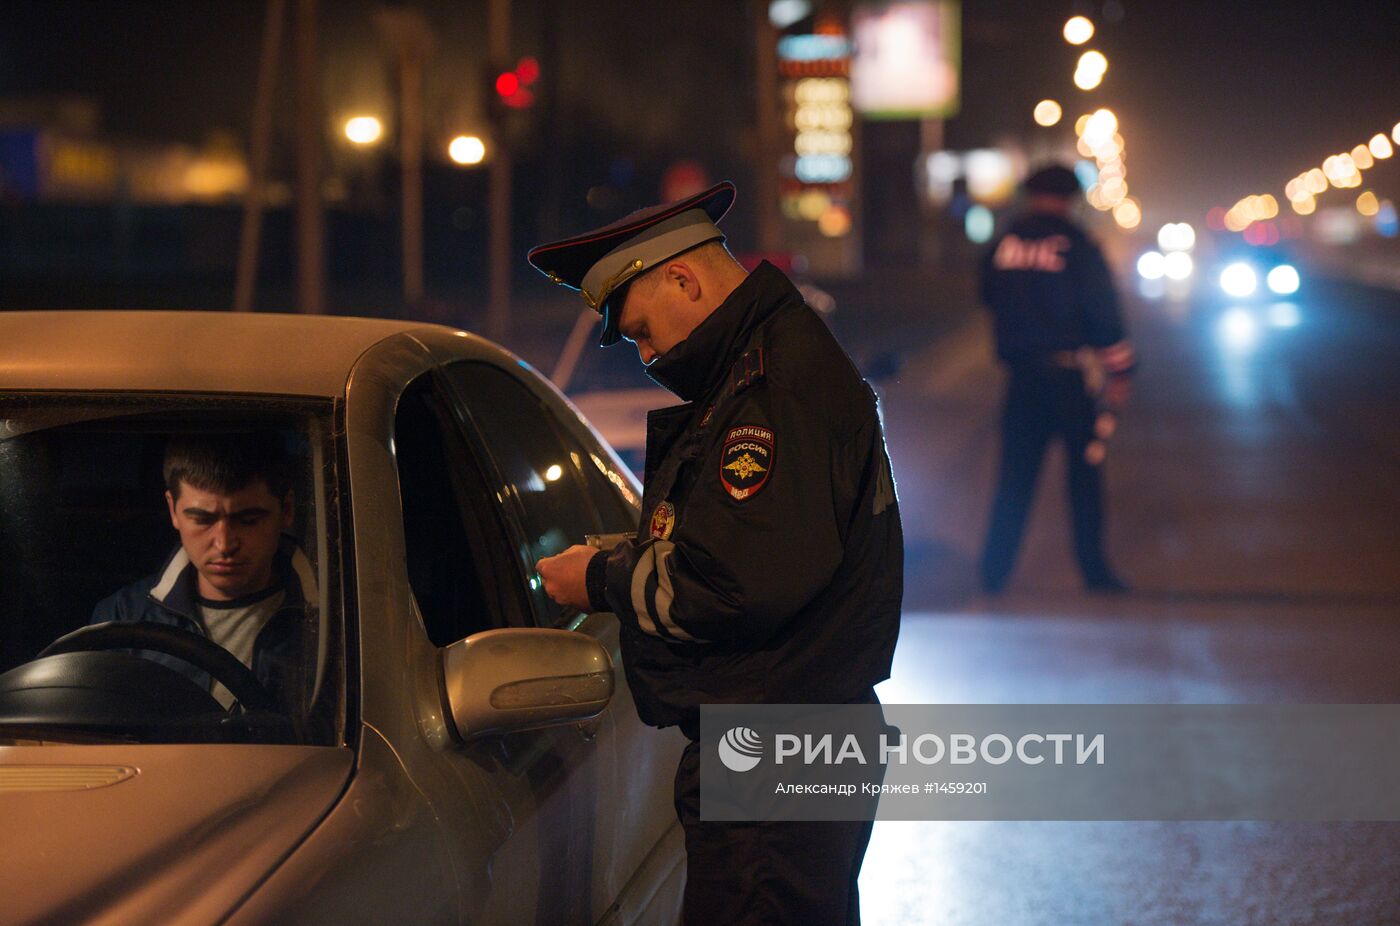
(1216,99)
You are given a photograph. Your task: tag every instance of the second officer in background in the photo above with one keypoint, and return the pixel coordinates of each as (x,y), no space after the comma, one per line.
(1060,333)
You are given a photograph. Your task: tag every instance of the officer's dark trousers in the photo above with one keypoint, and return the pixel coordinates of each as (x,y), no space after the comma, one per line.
(1044,401)
(769,873)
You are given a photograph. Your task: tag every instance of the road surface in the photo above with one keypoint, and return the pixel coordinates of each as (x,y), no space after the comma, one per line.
(1254,506)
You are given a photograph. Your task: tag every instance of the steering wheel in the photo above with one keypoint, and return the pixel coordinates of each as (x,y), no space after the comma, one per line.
(198,651)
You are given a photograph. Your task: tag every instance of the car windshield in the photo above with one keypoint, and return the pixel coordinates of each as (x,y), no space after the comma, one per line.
(129,613)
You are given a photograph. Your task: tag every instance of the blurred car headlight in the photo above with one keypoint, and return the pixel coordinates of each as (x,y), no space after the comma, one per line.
(1151,265)
(1283,280)
(1177,265)
(1239,280)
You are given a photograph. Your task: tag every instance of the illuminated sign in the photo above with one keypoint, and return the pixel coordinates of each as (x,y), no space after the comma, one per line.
(907,60)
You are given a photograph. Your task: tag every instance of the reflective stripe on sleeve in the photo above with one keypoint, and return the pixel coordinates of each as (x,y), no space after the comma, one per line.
(652,593)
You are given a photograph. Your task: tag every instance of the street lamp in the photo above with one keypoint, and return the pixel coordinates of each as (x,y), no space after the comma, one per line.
(466,150)
(364,130)
(1047,113)
(1078,30)
(1090,70)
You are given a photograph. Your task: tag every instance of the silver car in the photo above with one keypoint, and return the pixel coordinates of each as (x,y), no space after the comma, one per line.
(466,751)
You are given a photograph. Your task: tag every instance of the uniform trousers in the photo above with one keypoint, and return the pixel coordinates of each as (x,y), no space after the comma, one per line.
(766,873)
(1044,401)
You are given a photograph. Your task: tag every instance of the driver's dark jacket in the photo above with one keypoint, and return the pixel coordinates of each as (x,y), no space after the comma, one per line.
(792,593)
(168,597)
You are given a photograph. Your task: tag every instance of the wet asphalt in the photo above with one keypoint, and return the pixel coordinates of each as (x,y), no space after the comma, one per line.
(1254,507)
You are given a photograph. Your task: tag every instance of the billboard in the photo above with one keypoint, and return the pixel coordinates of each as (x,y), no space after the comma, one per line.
(908,59)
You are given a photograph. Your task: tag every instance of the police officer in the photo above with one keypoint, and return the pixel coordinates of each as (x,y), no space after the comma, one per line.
(1060,334)
(768,567)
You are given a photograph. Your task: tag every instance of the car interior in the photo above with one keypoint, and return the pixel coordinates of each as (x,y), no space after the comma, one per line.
(83,513)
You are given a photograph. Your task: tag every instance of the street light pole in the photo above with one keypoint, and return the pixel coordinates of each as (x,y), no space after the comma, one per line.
(770,239)
(407,33)
(250,235)
(311,256)
(498,311)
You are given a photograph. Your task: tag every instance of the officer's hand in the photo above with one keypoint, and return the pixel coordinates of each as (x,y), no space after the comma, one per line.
(565,576)
(1117,391)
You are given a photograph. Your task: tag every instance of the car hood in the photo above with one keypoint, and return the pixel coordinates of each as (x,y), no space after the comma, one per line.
(153,834)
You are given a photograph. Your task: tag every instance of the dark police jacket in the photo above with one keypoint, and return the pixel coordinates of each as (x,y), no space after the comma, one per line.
(169,597)
(1050,291)
(769,563)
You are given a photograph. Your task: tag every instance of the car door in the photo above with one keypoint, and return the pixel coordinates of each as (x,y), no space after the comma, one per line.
(565,485)
(576,811)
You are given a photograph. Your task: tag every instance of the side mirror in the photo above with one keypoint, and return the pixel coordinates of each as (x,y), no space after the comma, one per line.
(502,681)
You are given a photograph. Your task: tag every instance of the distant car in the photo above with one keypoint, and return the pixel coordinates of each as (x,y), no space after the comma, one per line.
(1255,273)
(620,415)
(468,751)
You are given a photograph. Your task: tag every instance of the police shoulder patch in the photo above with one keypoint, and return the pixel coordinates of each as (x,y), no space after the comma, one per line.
(746,461)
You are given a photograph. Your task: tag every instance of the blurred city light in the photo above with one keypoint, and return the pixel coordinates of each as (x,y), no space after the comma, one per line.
(835,222)
(1239,280)
(1128,214)
(1239,331)
(1087,172)
(979,223)
(1305,206)
(1387,224)
(1178,265)
(784,13)
(1380,147)
(813,204)
(1078,30)
(1093,62)
(1262,234)
(1317,180)
(1080,123)
(823,118)
(1047,113)
(1176,236)
(1361,156)
(1114,191)
(1284,315)
(1100,128)
(1367,204)
(1283,280)
(1395,133)
(1152,265)
(507,84)
(364,130)
(467,149)
(1087,80)
(991,175)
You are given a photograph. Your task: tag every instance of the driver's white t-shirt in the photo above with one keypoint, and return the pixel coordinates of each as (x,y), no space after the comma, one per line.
(235,626)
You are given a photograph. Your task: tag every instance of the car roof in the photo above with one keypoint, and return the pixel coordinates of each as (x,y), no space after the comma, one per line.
(246,352)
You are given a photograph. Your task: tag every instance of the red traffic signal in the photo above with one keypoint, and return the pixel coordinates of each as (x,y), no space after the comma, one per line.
(507,85)
(512,87)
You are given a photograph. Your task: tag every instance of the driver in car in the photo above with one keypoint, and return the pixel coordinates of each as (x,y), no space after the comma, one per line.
(235,578)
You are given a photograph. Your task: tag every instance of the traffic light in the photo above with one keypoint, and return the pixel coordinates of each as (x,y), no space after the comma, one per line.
(513,87)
